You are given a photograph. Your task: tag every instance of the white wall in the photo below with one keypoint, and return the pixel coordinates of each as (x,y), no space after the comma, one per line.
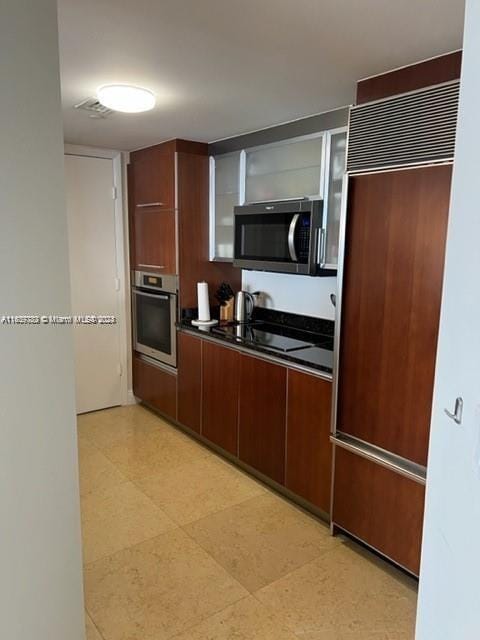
(295,294)
(449,597)
(40,546)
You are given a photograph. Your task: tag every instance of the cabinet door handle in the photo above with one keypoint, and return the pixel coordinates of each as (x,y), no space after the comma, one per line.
(152,266)
(150,204)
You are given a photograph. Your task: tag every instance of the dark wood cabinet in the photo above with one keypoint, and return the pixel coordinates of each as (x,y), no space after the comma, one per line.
(151,182)
(154,240)
(220,368)
(153,176)
(155,386)
(410,78)
(309,451)
(379,506)
(168,206)
(275,419)
(189,381)
(262,412)
(395,245)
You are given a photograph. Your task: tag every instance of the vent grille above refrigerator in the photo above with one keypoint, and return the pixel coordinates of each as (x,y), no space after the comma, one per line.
(409,129)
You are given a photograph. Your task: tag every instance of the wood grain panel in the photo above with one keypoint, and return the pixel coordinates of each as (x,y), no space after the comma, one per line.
(193,185)
(189,382)
(131,215)
(309,451)
(263,388)
(154,175)
(393,271)
(379,506)
(220,367)
(415,76)
(155,386)
(154,238)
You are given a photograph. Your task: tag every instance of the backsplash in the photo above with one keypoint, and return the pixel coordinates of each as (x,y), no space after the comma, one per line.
(295,294)
(294,321)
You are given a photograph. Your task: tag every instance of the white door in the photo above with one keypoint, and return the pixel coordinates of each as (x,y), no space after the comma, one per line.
(449,600)
(93,276)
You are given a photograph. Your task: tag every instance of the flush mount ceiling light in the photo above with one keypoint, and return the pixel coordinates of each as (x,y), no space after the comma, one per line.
(126,98)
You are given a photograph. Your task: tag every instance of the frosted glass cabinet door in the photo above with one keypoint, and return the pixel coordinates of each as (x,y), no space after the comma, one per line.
(224,195)
(291,169)
(336,171)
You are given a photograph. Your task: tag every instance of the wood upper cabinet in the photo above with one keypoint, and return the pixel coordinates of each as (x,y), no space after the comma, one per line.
(189,382)
(393,272)
(154,240)
(168,208)
(379,506)
(155,386)
(151,185)
(262,411)
(309,451)
(153,176)
(220,367)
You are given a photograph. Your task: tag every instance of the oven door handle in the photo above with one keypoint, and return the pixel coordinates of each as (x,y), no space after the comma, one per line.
(291,237)
(158,296)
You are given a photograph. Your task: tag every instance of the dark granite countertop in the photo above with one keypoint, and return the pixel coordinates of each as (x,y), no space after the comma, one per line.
(316,332)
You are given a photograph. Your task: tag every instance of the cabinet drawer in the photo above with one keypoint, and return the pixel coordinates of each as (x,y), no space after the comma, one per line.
(380,507)
(309,451)
(155,386)
(262,410)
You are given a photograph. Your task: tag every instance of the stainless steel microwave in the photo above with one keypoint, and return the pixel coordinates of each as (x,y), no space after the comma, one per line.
(286,237)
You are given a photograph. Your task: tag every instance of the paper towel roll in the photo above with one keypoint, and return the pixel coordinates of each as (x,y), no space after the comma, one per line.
(203,305)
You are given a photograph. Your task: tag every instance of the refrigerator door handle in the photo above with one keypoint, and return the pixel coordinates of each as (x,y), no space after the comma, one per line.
(456,416)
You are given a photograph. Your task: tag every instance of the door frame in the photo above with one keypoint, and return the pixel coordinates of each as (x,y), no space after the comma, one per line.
(119,162)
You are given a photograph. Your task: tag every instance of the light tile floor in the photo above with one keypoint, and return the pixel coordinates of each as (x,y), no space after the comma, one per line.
(180,544)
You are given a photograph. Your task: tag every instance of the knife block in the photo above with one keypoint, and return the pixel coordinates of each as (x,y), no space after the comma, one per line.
(226,310)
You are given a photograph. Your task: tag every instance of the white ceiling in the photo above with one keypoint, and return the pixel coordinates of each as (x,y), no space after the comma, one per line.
(224,67)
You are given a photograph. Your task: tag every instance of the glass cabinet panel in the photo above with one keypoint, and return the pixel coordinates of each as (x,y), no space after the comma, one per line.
(308,167)
(336,171)
(290,169)
(224,195)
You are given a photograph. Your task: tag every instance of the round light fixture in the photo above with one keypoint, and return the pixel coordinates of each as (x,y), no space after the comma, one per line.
(126,98)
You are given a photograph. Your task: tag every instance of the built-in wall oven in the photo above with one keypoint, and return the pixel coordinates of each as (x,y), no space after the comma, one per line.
(280,236)
(154,304)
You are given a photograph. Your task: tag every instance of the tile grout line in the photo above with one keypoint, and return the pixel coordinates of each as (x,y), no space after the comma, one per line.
(321,554)
(94,623)
(206,618)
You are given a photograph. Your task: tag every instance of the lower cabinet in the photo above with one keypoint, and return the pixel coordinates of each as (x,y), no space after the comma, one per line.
(262,412)
(220,377)
(155,386)
(309,452)
(379,506)
(273,418)
(189,381)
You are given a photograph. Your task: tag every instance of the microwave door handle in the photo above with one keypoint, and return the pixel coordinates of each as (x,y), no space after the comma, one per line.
(291,237)
(320,237)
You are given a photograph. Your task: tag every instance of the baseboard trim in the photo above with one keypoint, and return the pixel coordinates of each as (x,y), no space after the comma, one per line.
(131,399)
